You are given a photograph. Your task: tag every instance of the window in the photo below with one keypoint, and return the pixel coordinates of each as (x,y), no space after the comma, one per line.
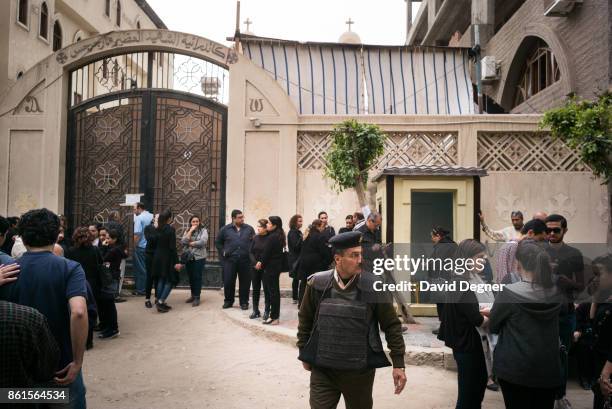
(138,25)
(57,36)
(22,12)
(118,13)
(539,72)
(44,21)
(107,8)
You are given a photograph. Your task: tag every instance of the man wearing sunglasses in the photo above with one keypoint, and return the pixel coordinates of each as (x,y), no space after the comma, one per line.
(568,270)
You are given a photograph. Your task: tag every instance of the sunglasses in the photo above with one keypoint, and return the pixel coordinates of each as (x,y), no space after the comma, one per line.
(555,230)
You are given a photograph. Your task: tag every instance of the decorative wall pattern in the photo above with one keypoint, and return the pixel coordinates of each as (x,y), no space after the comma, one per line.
(401,149)
(188,164)
(526,151)
(105,162)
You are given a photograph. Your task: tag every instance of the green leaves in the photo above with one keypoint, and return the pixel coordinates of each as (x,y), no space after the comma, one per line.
(355,148)
(587,126)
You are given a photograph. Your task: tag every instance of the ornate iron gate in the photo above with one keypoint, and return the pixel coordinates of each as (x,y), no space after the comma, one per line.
(168,145)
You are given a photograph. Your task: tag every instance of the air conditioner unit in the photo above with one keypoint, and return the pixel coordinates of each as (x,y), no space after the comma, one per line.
(559,8)
(490,68)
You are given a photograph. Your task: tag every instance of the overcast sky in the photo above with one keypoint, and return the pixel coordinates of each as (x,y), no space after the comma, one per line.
(376,22)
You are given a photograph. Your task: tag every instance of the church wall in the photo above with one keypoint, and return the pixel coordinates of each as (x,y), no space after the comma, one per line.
(575,195)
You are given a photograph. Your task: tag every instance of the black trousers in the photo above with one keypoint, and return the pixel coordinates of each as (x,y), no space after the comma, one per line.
(150,282)
(295,285)
(237,267)
(108,313)
(523,397)
(471,378)
(257,279)
(326,386)
(271,280)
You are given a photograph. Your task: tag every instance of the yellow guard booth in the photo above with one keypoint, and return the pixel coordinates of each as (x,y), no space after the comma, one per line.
(415,199)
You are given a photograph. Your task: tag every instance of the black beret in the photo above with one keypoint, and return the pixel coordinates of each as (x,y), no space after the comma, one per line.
(346,240)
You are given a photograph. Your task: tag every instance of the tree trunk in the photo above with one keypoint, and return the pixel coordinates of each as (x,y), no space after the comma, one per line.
(609,235)
(361,194)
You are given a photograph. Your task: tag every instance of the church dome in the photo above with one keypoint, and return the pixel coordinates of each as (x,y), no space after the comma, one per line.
(349,37)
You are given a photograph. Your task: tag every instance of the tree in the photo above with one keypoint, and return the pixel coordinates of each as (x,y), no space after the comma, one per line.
(355,148)
(586,125)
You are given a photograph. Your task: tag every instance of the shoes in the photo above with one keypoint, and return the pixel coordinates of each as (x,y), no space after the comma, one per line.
(227,305)
(119,299)
(270,321)
(148,304)
(563,403)
(255,314)
(493,387)
(266,315)
(97,328)
(195,302)
(244,307)
(404,329)
(137,294)
(436,331)
(189,300)
(109,334)
(586,385)
(162,308)
(169,307)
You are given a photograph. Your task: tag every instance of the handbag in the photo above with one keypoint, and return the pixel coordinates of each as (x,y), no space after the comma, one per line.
(187,256)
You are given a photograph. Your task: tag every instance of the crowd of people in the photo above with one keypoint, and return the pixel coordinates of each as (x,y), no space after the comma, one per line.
(258,256)
(65,286)
(521,338)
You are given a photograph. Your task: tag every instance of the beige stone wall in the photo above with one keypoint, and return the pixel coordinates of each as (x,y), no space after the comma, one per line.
(75,16)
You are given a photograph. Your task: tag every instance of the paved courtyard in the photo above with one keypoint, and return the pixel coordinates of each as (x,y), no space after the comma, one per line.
(210,358)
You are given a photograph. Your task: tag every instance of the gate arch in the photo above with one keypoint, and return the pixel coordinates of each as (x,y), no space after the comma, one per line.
(136,126)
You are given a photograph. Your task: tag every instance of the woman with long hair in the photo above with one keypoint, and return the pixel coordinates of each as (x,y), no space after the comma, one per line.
(256,250)
(294,245)
(150,233)
(526,316)
(88,256)
(194,243)
(271,262)
(165,260)
(315,255)
(108,311)
(458,327)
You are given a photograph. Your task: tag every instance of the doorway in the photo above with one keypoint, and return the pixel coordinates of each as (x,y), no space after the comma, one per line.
(428,210)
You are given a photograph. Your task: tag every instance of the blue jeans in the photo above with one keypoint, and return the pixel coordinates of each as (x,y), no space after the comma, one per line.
(140,269)
(163,289)
(76,391)
(195,268)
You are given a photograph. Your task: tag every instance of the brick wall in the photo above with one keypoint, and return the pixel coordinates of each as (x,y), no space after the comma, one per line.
(579,41)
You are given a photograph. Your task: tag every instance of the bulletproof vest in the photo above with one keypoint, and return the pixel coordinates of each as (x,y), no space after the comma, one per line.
(345,335)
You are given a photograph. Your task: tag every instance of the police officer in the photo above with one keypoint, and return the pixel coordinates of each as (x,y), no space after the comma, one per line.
(338,333)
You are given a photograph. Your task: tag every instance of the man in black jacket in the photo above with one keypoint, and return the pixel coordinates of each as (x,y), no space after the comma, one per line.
(371,241)
(233,243)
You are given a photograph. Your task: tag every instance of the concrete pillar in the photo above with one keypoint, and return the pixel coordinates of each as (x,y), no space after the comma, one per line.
(483,15)
(408,18)
(432,9)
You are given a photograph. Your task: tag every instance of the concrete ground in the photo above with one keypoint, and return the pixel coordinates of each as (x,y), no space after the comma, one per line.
(202,358)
